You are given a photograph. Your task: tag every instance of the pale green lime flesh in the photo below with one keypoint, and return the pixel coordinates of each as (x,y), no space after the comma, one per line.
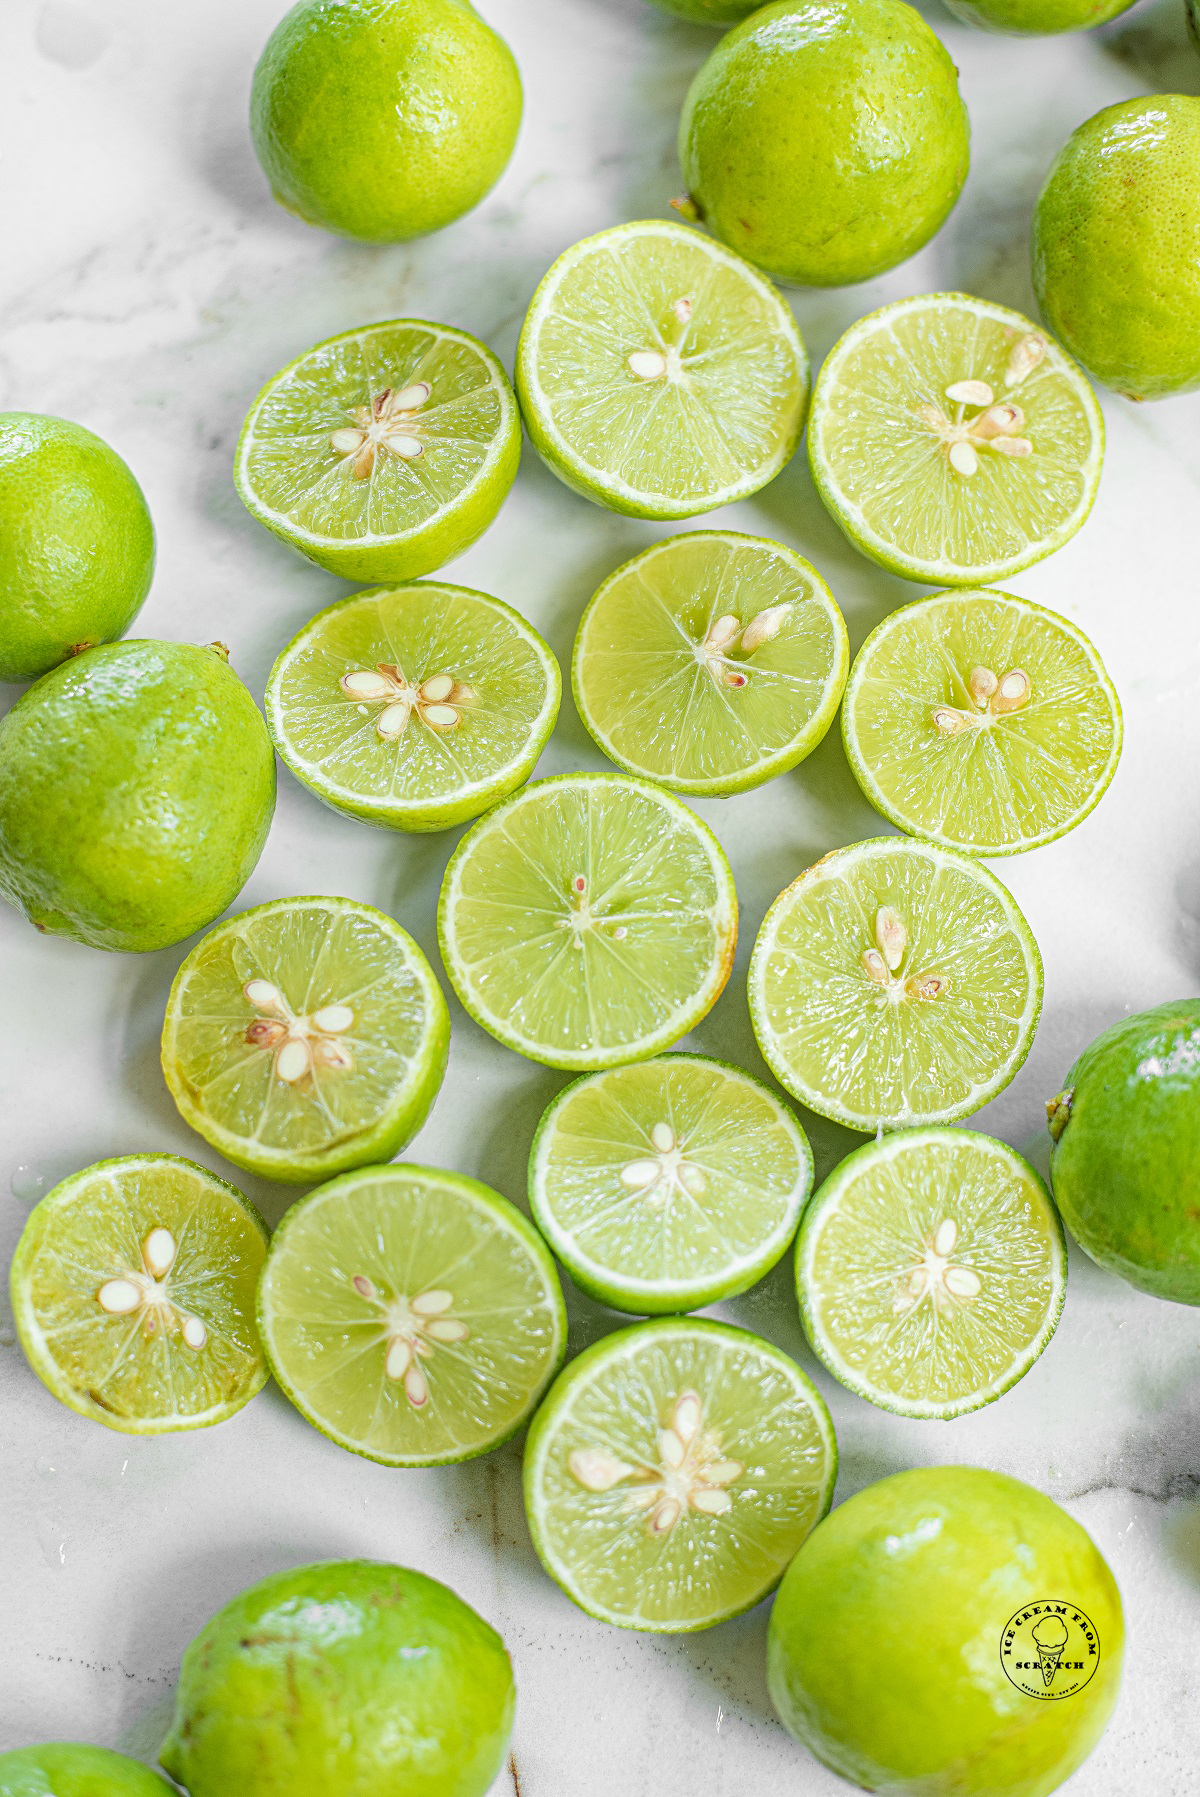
(434,763)
(701,719)
(182,1351)
(356,991)
(402,490)
(927,1042)
(881,459)
(673,1471)
(589,921)
(669,1185)
(961,769)
(931,1270)
(712,403)
(412,1315)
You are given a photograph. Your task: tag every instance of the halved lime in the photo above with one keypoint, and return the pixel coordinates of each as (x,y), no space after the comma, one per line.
(981,721)
(382,453)
(659,374)
(669,1185)
(588,921)
(304,1037)
(895,983)
(953,440)
(414,707)
(673,1471)
(711,662)
(412,1315)
(133,1294)
(931,1271)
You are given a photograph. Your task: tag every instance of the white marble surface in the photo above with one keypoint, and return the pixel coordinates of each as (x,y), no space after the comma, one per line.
(148,286)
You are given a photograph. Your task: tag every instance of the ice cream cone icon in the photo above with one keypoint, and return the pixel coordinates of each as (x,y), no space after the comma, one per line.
(1050,1634)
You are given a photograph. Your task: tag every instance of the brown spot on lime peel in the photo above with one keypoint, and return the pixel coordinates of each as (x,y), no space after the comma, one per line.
(1058,1113)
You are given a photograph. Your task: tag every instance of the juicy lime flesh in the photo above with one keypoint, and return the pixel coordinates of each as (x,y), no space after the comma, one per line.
(371,1075)
(868,1052)
(763,1431)
(428,776)
(404,1233)
(589,975)
(885,472)
(668,1185)
(661,707)
(931,1270)
(722,417)
(1009,779)
(134,1369)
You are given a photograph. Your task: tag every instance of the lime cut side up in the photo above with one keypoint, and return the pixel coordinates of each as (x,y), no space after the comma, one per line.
(133,1294)
(669,1185)
(711,662)
(982,722)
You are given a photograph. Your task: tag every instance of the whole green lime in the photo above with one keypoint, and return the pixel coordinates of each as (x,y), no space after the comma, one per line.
(67,1769)
(350,1678)
(826,141)
(1037,18)
(709,12)
(1125,1165)
(1116,245)
(384,119)
(948,1630)
(137,784)
(76,543)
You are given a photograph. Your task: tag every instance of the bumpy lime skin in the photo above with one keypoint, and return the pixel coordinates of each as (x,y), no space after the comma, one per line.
(76,543)
(1125,1167)
(826,140)
(1037,18)
(883,1655)
(351,1678)
(387,119)
(1116,245)
(711,12)
(137,784)
(68,1769)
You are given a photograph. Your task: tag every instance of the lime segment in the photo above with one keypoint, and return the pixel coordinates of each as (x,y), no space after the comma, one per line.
(981,721)
(931,1270)
(711,662)
(133,1294)
(673,1471)
(411,1315)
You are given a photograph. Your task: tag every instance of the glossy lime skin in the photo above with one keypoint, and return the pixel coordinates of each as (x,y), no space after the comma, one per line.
(350,1678)
(709,12)
(826,140)
(386,119)
(883,1655)
(1116,245)
(1125,1166)
(1037,18)
(76,543)
(68,1769)
(137,783)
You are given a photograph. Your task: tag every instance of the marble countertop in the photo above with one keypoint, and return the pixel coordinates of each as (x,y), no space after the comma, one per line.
(149,285)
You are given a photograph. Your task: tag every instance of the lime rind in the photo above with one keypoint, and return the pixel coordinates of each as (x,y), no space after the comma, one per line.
(1005,1227)
(765,727)
(1096,716)
(431,780)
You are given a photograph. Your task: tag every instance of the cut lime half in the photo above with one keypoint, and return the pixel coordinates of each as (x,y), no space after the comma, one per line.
(931,1271)
(981,721)
(412,1315)
(953,440)
(673,1471)
(382,453)
(589,921)
(414,707)
(304,1037)
(669,1185)
(711,662)
(895,982)
(659,374)
(133,1294)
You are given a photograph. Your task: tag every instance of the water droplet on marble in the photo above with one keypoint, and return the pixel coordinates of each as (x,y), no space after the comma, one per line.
(27,1184)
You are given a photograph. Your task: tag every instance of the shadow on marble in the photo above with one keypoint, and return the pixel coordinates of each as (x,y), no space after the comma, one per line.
(1152,42)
